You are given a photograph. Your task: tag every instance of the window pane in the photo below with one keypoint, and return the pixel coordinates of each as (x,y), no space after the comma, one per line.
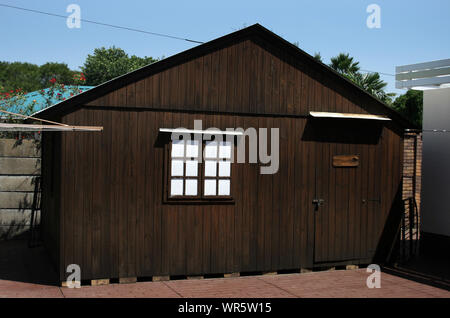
(178,148)
(192,149)
(210,187)
(177,168)
(224,168)
(225,149)
(191,187)
(210,168)
(211,149)
(191,168)
(176,187)
(224,187)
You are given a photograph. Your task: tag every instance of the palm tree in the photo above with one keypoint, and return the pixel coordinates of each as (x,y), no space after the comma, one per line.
(370,82)
(344,64)
(373,84)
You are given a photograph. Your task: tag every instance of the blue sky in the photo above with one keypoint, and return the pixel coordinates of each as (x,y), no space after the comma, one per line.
(411,31)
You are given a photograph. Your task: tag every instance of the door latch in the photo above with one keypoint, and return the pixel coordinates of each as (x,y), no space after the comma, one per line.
(318,202)
(364,201)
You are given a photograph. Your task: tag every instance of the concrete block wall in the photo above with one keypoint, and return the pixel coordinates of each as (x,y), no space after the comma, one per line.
(20,164)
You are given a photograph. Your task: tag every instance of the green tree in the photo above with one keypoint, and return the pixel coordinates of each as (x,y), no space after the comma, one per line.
(317,56)
(17,75)
(106,64)
(58,71)
(31,77)
(410,105)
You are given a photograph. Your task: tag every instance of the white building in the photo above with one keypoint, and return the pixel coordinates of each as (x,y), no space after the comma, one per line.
(434,79)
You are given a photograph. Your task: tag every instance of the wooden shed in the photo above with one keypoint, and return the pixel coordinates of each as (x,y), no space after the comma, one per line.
(111,205)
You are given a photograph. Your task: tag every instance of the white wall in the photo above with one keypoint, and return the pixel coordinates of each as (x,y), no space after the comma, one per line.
(435,207)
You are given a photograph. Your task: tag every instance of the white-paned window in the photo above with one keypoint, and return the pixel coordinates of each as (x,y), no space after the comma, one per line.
(184,169)
(188,178)
(217,169)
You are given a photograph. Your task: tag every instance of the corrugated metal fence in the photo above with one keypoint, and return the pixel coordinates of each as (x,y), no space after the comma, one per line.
(20,165)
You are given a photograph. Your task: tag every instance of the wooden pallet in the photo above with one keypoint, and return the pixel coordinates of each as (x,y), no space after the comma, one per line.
(127,280)
(160,278)
(231,275)
(351,267)
(100,282)
(65,284)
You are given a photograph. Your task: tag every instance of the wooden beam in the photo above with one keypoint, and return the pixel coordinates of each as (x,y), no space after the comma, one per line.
(351,267)
(127,280)
(30,117)
(36,127)
(231,275)
(194,277)
(160,278)
(99,282)
(77,284)
(305,270)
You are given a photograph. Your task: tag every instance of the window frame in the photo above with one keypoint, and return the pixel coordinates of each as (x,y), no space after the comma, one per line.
(200,197)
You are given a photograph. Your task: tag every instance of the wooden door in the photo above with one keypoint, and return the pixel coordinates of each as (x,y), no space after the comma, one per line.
(347,200)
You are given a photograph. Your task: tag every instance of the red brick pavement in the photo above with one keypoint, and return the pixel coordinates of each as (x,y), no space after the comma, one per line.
(350,283)
(27,272)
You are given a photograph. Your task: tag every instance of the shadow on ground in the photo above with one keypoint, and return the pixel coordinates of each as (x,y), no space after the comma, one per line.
(20,263)
(433,270)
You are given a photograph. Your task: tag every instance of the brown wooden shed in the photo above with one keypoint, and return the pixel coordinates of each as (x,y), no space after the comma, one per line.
(106,200)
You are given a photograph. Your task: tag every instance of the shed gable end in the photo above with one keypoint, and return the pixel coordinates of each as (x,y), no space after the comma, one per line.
(246,77)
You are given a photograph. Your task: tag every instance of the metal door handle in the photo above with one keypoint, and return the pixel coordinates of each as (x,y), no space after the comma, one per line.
(318,202)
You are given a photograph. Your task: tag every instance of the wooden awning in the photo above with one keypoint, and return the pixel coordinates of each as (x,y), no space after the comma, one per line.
(347,116)
(197,131)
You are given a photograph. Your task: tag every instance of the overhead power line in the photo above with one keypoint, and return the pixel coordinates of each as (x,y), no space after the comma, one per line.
(367,71)
(103,24)
(130,29)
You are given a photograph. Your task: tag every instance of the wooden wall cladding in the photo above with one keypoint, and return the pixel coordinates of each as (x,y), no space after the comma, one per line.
(242,78)
(114,222)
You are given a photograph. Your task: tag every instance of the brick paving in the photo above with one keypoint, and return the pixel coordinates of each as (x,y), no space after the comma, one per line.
(27,273)
(342,284)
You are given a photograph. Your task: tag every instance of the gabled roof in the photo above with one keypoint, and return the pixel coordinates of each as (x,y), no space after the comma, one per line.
(250,32)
